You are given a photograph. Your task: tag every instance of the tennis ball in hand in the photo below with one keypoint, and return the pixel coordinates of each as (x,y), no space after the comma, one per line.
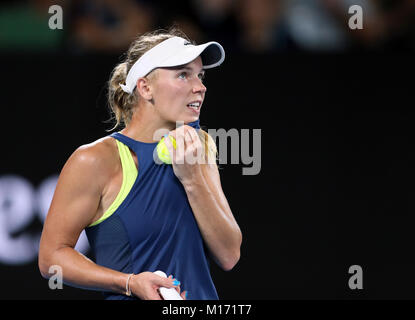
(162,151)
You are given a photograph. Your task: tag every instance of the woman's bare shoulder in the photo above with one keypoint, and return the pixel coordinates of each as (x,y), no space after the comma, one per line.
(82,181)
(97,158)
(101,150)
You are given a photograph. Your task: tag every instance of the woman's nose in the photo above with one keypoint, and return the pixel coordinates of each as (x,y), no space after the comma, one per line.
(199,87)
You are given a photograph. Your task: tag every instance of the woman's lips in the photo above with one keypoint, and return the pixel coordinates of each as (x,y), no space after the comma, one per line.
(195,110)
(195,106)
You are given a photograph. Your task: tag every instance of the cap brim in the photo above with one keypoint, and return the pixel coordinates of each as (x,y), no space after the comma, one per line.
(212,54)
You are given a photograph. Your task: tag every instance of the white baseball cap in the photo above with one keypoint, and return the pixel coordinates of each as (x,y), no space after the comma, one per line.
(173,52)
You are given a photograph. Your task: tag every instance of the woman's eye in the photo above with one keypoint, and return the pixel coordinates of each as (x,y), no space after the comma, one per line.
(182,75)
(202,76)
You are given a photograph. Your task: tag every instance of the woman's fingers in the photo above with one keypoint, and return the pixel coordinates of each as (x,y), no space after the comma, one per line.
(146,285)
(190,155)
(188,145)
(166,282)
(176,286)
(197,144)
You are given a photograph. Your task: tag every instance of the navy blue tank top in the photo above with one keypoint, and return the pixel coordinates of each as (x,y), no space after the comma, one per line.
(154,229)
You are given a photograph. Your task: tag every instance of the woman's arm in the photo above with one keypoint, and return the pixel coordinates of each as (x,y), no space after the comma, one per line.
(214,216)
(74,206)
(202,184)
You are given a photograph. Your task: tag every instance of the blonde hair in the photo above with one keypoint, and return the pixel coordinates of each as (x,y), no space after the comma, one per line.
(122,104)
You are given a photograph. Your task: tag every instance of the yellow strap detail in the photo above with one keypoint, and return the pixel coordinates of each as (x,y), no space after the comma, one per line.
(129,175)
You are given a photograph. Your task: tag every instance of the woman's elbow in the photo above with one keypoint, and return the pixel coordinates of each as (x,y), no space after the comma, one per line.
(231,261)
(233,258)
(45,262)
(230,264)
(43,267)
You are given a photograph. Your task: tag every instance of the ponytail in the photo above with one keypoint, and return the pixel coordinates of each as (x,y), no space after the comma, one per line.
(121,103)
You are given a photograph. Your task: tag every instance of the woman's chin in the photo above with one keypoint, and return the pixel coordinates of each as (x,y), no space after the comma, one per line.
(188,119)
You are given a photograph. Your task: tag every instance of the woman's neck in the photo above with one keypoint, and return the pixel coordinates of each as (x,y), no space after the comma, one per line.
(147,126)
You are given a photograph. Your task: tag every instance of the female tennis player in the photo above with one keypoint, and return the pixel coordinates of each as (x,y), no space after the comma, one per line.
(139,215)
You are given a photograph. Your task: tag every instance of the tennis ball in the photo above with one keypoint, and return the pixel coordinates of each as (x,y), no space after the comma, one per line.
(162,151)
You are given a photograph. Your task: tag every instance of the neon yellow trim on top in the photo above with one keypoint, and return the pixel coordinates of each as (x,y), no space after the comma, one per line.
(129,175)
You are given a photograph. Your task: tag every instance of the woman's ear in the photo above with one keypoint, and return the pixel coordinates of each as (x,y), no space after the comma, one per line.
(144,88)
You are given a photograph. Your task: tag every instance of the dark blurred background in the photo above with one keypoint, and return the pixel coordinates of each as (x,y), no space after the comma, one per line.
(333,105)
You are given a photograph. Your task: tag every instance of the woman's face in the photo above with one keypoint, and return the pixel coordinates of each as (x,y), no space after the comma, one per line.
(178,92)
